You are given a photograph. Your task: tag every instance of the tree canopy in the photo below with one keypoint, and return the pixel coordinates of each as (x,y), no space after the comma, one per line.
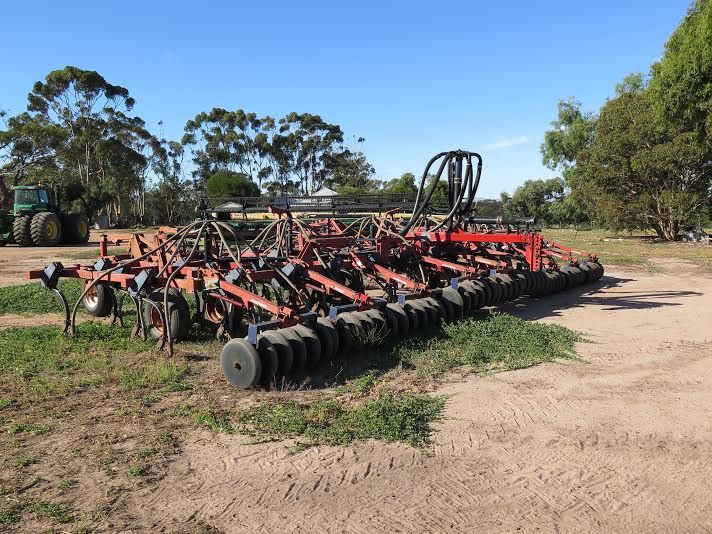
(645,160)
(79,133)
(230,184)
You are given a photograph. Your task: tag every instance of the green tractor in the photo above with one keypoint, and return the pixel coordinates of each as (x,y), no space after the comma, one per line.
(37,220)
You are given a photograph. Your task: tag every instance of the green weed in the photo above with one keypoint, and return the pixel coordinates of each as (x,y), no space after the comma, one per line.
(31,428)
(489,343)
(214,421)
(59,512)
(34,299)
(24,461)
(390,418)
(43,360)
(159,373)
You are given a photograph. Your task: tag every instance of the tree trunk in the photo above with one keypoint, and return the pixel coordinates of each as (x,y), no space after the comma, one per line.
(670,229)
(5,196)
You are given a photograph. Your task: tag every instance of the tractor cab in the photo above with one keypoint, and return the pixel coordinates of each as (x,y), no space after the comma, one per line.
(34,199)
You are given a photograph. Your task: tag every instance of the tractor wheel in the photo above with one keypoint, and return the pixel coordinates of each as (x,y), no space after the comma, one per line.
(46,229)
(75,228)
(21,230)
(99,302)
(178,312)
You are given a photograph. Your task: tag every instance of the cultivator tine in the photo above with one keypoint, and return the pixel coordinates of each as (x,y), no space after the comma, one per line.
(117,314)
(140,327)
(68,324)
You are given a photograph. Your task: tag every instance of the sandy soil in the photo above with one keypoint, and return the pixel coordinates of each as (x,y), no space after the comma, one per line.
(618,442)
(15,261)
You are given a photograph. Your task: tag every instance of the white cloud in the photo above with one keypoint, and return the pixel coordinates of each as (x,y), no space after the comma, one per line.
(506,143)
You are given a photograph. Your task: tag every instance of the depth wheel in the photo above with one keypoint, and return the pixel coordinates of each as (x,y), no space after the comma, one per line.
(99,301)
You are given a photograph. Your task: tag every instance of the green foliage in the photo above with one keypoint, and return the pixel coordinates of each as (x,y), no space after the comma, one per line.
(31,428)
(77,131)
(159,373)
(57,511)
(641,173)
(34,299)
(646,161)
(216,422)
(233,141)
(43,360)
(570,133)
(228,184)
(352,170)
(489,343)
(534,198)
(681,84)
(404,418)
(403,185)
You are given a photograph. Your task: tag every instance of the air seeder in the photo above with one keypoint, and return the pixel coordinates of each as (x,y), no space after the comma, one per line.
(300,291)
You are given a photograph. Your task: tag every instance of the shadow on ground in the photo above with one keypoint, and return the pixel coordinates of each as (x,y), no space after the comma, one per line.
(608,292)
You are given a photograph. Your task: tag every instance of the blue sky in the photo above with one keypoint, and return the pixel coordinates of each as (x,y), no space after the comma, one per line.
(412,78)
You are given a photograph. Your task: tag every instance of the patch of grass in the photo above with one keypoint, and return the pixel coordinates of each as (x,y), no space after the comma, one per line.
(216,422)
(298,447)
(361,385)
(4,403)
(43,360)
(166,438)
(92,253)
(182,410)
(619,259)
(32,428)
(495,342)
(137,471)
(10,513)
(644,245)
(24,461)
(159,373)
(59,512)
(67,483)
(389,418)
(34,299)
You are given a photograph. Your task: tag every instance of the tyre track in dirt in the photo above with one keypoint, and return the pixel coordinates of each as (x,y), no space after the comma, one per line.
(619,441)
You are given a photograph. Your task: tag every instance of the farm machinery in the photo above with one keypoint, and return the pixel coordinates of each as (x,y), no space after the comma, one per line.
(299,291)
(36,219)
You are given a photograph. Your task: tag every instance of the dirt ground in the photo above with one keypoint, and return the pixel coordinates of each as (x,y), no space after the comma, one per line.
(619,441)
(14,260)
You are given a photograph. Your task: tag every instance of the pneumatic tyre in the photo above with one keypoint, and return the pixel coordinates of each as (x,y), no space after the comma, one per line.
(75,228)
(46,229)
(99,301)
(177,314)
(21,230)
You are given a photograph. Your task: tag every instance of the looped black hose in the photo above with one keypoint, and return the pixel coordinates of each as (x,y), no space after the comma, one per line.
(419,208)
(455,196)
